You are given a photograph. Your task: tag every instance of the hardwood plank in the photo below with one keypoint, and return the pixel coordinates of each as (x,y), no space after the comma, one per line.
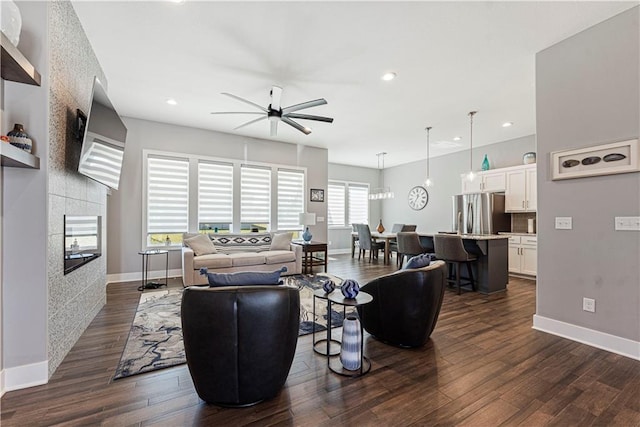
(483,365)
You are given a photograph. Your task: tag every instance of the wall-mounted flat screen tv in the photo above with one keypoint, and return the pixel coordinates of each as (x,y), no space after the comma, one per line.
(104,137)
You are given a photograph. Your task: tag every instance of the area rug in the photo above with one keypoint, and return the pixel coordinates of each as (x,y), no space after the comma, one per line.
(155,338)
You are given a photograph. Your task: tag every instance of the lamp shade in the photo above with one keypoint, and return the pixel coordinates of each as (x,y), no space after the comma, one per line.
(307,218)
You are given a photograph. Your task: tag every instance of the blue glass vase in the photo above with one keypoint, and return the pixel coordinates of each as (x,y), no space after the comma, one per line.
(350,352)
(307,235)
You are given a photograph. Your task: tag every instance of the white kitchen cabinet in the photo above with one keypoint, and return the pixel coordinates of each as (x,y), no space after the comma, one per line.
(486,182)
(521,189)
(523,255)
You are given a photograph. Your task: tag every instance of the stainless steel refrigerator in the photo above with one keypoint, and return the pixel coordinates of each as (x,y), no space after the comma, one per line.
(480,213)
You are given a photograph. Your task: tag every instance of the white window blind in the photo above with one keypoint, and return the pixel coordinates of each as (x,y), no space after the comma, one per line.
(167,195)
(215,193)
(290,199)
(336,204)
(358,204)
(255,195)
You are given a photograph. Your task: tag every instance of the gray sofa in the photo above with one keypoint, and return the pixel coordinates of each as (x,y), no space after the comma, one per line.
(239,252)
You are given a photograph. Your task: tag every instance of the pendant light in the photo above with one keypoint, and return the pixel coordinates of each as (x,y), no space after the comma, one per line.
(382,192)
(471,176)
(428,182)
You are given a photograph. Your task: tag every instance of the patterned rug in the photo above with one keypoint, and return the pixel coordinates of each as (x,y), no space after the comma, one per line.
(155,338)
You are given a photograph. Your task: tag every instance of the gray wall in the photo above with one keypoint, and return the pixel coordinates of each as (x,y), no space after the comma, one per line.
(125,205)
(445,171)
(44,312)
(587,94)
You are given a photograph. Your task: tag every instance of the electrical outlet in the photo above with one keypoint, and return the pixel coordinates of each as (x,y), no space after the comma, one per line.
(589,304)
(563,223)
(627,223)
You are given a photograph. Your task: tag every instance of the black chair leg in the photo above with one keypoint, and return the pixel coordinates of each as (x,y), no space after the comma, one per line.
(473,282)
(458,277)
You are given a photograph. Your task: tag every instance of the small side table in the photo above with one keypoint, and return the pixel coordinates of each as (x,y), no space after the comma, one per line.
(333,346)
(308,258)
(145,269)
(365,364)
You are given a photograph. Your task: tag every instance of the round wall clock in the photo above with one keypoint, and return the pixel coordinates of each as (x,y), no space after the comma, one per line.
(418,197)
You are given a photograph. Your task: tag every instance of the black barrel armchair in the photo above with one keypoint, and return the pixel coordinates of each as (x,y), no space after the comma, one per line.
(406,305)
(240,341)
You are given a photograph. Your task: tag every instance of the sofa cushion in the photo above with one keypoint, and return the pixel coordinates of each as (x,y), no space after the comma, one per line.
(243,278)
(247,258)
(418,261)
(201,244)
(234,243)
(281,241)
(212,261)
(277,257)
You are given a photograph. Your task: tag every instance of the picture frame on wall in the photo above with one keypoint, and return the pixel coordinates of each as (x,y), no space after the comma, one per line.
(605,159)
(316,195)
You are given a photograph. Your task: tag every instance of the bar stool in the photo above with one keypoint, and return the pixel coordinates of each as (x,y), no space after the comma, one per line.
(450,249)
(408,245)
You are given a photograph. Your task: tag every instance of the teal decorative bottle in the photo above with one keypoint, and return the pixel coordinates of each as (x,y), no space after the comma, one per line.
(485,163)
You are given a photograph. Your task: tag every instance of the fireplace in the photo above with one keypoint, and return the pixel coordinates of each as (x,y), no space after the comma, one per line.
(82,240)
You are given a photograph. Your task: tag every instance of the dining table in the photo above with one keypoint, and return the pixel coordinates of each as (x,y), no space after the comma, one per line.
(388,237)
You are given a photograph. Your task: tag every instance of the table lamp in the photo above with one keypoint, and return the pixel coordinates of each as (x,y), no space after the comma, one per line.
(307,219)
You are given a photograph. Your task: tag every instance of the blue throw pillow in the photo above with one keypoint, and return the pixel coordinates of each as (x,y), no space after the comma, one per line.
(418,261)
(242,278)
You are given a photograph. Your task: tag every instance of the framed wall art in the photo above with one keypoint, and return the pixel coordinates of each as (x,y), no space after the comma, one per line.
(606,159)
(317,195)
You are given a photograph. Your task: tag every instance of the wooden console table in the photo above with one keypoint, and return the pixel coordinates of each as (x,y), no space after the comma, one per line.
(309,260)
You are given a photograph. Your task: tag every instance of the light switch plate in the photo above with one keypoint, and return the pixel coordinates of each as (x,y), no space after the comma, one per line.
(320,219)
(563,223)
(627,223)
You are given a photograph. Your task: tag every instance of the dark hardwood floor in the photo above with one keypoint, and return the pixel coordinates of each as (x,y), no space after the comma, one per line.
(484,366)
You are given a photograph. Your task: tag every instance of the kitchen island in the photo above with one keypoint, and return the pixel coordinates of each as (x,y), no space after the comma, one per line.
(491,270)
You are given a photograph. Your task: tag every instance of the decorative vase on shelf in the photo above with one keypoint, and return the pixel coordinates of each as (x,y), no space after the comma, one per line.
(350,288)
(19,138)
(380,228)
(485,163)
(307,235)
(350,352)
(328,286)
(11,21)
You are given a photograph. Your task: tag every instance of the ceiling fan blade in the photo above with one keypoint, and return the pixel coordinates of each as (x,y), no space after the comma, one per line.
(246,101)
(310,117)
(250,122)
(237,112)
(304,105)
(274,128)
(298,126)
(276,97)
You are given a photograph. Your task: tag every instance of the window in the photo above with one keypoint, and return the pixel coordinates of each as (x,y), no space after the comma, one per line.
(348,203)
(290,199)
(336,204)
(215,197)
(255,199)
(358,204)
(167,199)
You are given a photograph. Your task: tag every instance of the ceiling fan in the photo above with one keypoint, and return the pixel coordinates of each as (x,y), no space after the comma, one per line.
(276,114)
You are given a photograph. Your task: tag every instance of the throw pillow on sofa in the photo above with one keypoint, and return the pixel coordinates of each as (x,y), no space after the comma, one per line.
(281,241)
(418,261)
(201,245)
(242,278)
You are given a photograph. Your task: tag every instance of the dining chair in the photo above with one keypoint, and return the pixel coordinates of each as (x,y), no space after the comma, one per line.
(368,243)
(449,248)
(393,245)
(408,245)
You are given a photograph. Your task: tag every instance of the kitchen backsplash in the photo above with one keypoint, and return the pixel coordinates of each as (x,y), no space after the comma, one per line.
(519,222)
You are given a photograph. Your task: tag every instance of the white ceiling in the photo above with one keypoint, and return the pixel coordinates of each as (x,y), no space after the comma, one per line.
(450,58)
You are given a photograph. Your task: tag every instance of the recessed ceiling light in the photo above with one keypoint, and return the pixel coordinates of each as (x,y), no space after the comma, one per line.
(389,76)
(507,124)
(172,101)
(177,1)
(457,138)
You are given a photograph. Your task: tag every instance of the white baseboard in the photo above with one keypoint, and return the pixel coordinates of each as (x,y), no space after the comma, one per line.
(601,340)
(26,376)
(2,383)
(137,276)
(339,251)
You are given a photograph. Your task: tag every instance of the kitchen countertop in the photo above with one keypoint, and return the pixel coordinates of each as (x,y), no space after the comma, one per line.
(508,233)
(471,236)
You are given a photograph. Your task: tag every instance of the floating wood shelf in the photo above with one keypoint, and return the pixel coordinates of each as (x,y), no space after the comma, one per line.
(15,67)
(17,158)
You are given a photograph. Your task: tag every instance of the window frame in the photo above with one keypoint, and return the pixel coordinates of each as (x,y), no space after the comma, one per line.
(346,185)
